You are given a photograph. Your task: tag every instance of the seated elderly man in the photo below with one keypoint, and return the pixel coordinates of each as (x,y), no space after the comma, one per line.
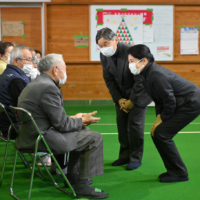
(12,81)
(43,98)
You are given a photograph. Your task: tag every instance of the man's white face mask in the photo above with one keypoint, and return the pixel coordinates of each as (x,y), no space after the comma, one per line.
(27,68)
(108,51)
(62,80)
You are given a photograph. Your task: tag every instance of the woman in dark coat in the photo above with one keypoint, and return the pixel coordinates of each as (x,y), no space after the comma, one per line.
(177,103)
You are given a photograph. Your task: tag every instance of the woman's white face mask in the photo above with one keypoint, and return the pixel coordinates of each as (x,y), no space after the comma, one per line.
(133,69)
(8,60)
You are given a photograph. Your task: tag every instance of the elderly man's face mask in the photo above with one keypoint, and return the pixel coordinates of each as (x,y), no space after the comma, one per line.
(62,80)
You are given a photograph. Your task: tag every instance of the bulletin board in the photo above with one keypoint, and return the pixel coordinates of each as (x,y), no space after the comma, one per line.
(151,25)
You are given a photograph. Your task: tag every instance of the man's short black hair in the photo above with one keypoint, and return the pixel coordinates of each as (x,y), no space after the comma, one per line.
(36,51)
(106,33)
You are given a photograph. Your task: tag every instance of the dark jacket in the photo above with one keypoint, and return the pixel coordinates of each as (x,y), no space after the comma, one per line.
(43,98)
(120,81)
(10,73)
(169,91)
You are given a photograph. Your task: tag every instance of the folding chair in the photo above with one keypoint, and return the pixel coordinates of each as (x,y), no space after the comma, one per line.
(23,116)
(7,140)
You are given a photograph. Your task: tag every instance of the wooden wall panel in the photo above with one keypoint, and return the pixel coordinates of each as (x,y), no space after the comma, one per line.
(185,16)
(32,27)
(61,1)
(190,72)
(150,2)
(85,79)
(85,82)
(64,21)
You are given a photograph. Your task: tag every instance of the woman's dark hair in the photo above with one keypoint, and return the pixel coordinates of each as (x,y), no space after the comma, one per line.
(140,51)
(106,33)
(4,46)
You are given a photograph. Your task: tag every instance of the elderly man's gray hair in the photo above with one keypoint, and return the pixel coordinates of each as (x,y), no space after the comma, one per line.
(31,50)
(35,60)
(17,52)
(50,61)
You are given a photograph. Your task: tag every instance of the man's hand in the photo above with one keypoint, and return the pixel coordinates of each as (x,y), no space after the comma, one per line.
(78,115)
(122,105)
(129,105)
(89,119)
(155,124)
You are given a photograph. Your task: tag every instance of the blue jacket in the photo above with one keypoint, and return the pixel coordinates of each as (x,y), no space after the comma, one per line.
(9,74)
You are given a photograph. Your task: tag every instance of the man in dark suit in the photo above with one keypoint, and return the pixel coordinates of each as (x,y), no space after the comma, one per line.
(43,98)
(128,95)
(177,103)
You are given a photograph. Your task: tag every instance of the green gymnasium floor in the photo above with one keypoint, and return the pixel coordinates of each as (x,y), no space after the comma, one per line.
(140,184)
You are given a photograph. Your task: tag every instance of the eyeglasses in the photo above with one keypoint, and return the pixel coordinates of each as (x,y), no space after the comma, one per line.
(28,60)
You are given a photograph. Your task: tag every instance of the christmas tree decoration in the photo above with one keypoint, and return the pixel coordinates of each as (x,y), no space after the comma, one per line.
(123,33)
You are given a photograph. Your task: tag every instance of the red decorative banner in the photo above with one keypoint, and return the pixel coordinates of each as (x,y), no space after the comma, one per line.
(147,15)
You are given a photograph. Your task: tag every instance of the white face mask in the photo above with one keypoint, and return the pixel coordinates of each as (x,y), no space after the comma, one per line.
(38,72)
(62,81)
(33,73)
(133,69)
(27,69)
(108,51)
(7,61)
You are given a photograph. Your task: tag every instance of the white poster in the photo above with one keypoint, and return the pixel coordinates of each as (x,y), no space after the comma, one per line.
(128,29)
(143,24)
(148,34)
(135,27)
(189,40)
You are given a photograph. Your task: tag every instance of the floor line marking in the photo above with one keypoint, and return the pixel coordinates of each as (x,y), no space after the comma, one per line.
(116,124)
(149,133)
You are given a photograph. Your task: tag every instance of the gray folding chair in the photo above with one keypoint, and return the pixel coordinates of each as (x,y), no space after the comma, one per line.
(23,116)
(8,141)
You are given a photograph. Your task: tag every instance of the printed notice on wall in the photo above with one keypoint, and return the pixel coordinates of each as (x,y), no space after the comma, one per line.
(189,40)
(12,28)
(163,51)
(81,41)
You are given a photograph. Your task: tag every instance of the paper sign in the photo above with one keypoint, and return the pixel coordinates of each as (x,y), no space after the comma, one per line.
(80,41)
(12,28)
(163,51)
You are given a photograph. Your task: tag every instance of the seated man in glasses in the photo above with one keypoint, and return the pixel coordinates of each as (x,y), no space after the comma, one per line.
(12,81)
(63,133)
